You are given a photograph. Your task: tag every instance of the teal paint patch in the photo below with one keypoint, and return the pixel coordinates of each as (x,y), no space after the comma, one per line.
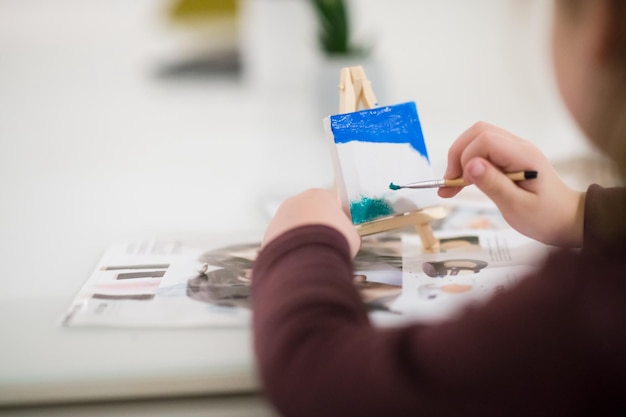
(393,186)
(367,209)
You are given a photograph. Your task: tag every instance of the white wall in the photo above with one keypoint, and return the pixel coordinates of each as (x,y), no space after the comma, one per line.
(80,103)
(461,61)
(95,148)
(464,61)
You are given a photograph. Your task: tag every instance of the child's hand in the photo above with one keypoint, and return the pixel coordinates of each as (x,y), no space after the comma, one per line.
(314,206)
(543,208)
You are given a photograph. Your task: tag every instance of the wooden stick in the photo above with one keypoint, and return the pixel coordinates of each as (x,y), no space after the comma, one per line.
(514,176)
(364,94)
(398,221)
(355,90)
(347,98)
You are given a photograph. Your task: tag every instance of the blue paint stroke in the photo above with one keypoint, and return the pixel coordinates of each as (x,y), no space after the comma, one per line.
(391,124)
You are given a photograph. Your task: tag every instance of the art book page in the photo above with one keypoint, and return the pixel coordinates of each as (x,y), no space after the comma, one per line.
(166,284)
(471,267)
(156,284)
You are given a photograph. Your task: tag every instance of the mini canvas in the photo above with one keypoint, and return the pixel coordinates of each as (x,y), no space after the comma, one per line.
(373,148)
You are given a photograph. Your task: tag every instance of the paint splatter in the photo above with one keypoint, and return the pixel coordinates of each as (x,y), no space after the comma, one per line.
(393,186)
(367,209)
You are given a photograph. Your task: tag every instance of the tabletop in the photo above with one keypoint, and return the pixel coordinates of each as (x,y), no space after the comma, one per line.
(98,144)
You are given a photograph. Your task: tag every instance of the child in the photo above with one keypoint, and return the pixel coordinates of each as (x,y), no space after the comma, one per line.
(554,345)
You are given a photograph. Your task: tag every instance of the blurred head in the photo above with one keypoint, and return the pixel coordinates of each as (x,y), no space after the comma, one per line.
(589,51)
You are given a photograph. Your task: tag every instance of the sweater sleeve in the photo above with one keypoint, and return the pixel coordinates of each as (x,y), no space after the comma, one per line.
(605,216)
(318,355)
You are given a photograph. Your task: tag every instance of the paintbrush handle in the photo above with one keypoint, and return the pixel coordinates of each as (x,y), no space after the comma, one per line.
(458,182)
(514,176)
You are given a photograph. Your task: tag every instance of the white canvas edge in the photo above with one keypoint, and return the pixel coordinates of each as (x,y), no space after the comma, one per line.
(339,181)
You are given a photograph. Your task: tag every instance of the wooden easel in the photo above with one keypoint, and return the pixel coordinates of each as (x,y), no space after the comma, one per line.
(356,90)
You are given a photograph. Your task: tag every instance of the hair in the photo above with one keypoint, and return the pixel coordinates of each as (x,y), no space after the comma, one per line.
(607,126)
(611,119)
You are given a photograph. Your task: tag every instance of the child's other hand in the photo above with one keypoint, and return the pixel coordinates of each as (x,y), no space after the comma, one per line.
(314,206)
(543,208)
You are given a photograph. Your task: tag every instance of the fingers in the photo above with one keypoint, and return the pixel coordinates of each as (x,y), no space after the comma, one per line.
(478,130)
(448,192)
(495,184)
(313,206)
(484,154)
(502,149)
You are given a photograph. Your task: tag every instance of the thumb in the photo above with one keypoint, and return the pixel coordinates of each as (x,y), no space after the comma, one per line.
(491,181)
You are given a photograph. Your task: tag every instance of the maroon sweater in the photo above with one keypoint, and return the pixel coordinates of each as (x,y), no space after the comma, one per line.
(555,345)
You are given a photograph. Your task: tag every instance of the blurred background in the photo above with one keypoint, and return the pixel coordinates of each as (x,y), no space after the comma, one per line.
(125,119)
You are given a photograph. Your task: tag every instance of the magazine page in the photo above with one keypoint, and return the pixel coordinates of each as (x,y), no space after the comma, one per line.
(470,267)
(168,284)
(150,284)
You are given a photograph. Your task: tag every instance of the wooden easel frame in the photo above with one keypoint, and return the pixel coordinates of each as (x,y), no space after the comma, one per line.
(355,90)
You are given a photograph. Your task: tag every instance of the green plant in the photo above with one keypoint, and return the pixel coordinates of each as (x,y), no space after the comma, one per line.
(334,27)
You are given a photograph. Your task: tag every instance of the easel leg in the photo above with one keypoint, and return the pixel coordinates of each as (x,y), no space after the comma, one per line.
(429,242)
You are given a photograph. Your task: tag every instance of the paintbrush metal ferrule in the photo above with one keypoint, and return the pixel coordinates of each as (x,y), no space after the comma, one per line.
(459,182)
(425,184)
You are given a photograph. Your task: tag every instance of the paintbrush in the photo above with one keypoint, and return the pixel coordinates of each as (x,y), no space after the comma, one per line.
(459,182)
